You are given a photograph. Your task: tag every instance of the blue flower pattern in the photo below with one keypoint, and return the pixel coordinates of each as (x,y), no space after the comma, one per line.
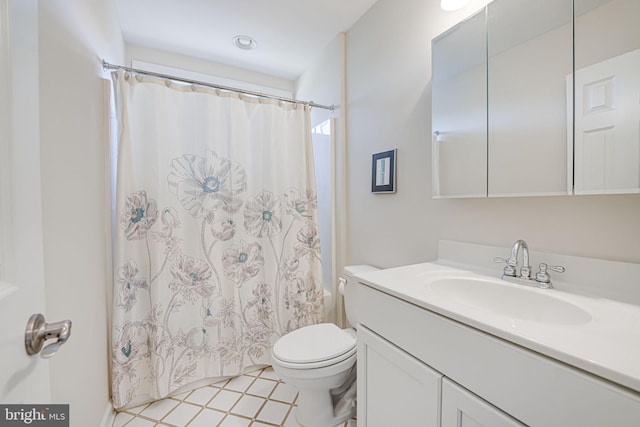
(238,231)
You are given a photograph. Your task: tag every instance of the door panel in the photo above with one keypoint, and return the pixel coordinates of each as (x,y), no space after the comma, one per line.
(607,147)
(394,388)
(23,379)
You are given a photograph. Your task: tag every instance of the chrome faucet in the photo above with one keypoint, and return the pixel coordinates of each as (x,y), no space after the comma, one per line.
(511,267)
(511,273)
(525,271)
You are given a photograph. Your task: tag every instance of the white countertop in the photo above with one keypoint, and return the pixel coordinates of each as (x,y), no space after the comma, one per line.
(608,345)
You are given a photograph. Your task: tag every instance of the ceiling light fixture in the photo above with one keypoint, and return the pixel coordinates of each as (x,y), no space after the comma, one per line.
(450,5)
(245,42)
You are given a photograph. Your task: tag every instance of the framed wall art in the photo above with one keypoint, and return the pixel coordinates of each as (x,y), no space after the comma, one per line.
(383,172)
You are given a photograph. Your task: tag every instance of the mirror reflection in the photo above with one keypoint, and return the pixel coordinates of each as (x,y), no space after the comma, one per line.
(529,57)
(459,110)
(607,100)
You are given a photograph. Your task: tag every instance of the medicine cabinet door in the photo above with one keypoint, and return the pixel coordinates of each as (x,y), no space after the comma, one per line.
(530,55)
(459,110)
(607,81)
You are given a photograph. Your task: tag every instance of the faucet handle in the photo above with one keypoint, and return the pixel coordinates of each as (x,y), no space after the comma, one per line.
(509,268)
(542,276)
(556,268)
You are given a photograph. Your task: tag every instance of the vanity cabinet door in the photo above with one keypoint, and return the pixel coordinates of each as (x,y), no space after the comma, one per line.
(461,408)
(394,388)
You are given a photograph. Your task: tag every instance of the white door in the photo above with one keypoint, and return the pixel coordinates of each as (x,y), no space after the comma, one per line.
(23,379)
(607,146)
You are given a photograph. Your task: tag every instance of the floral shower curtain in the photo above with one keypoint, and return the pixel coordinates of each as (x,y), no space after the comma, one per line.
(217,251)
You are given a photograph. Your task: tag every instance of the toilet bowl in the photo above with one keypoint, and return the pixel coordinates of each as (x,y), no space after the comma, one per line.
(320,358)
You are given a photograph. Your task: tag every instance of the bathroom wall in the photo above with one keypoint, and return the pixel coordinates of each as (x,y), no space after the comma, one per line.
(75,35)
(189,63)
(388,76)
(323,82)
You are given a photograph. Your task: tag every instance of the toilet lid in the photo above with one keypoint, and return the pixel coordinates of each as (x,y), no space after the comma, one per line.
(313,344)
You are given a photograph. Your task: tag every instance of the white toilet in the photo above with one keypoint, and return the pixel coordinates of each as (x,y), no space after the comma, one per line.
(319,358)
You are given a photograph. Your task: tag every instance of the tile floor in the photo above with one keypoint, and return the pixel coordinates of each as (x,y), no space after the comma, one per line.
(257,399)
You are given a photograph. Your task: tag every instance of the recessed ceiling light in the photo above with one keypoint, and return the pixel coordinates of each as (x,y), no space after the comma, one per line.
(245,42)
(450,5)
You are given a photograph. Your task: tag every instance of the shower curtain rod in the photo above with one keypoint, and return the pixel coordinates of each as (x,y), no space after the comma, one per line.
(106,65)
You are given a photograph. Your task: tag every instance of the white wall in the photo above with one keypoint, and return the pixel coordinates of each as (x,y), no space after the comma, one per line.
(75,35)
(323,82)
(389,106)
(192,64)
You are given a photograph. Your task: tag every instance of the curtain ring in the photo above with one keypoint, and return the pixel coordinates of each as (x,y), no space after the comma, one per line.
(139,78)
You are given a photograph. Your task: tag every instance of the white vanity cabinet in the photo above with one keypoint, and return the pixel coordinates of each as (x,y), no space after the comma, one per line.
(396,389)
(435,371)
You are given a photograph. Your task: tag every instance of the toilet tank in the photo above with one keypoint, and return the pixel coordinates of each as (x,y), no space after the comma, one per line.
(348,289)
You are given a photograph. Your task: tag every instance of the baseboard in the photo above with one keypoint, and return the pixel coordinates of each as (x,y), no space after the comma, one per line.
(109,416)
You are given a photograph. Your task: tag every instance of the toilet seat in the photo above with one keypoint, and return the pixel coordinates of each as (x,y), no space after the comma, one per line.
(314,346)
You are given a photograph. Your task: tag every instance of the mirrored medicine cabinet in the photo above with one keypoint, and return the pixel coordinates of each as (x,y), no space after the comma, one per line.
(505,118)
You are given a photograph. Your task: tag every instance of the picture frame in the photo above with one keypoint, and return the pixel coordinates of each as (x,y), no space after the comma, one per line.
(383,172)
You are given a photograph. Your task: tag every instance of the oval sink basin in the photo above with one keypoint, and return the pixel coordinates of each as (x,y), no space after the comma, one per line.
(509,300)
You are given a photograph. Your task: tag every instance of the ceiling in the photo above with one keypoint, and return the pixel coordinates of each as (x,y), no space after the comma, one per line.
(289,33)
